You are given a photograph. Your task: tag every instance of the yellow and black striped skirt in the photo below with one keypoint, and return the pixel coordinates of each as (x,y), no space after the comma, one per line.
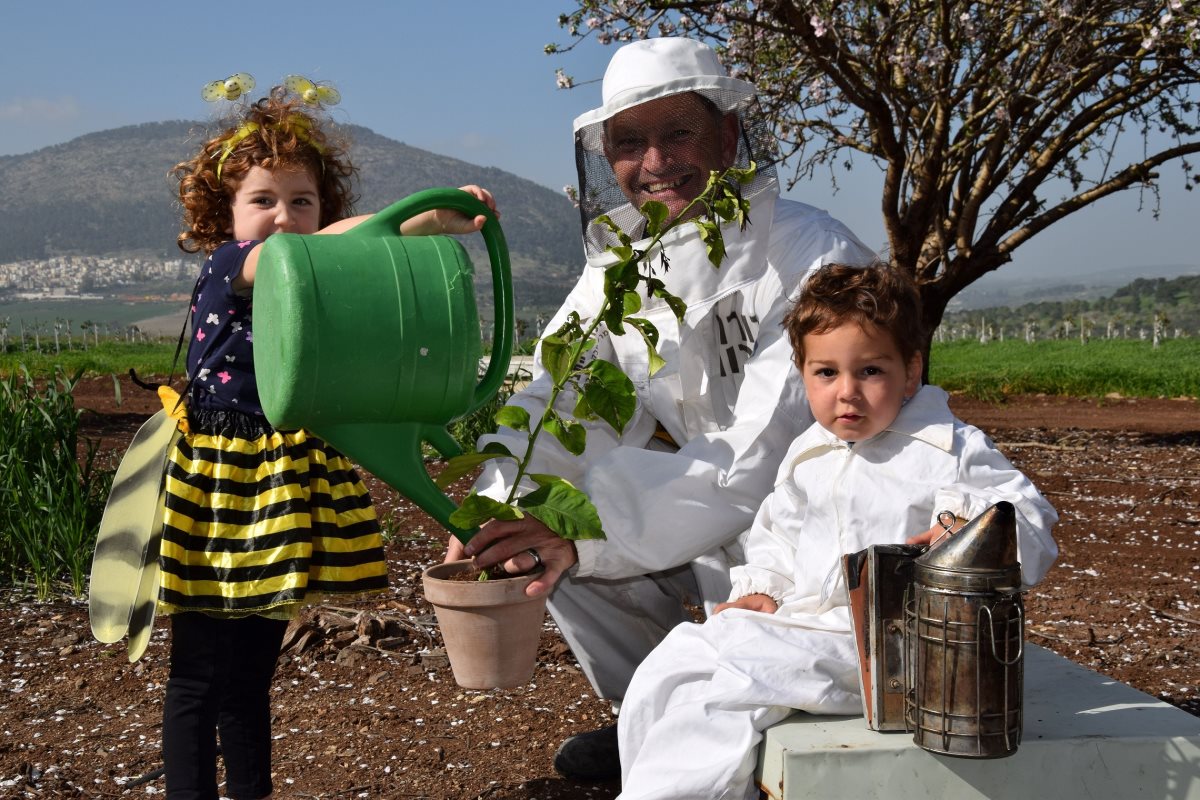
(264,524)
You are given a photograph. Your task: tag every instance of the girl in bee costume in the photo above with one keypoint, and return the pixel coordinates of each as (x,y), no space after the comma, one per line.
(257,521)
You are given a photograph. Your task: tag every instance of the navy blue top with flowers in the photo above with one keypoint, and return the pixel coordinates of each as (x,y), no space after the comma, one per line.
(220,358)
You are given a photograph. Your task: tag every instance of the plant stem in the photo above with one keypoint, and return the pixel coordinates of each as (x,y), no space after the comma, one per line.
(577,347)
(555,390)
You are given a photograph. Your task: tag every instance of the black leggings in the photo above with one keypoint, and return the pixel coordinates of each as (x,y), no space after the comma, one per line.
(220,679)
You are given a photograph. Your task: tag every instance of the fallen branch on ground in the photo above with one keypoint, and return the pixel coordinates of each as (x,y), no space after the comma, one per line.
(1168,615)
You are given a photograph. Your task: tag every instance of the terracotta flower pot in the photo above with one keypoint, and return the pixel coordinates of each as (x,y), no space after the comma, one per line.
(491,628)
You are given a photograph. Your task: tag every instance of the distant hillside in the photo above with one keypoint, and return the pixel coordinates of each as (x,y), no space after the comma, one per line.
(1000,289)
(109,193)
(1126,311)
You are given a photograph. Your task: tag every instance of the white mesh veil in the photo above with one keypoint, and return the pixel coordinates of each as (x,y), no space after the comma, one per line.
(649,70)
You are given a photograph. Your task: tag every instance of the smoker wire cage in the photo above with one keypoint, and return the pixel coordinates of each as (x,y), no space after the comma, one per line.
(964,670)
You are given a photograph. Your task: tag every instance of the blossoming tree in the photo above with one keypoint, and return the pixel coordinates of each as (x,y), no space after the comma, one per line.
(991,119)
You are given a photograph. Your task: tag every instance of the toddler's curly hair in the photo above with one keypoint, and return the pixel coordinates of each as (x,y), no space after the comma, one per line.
(286,137)
(879,295)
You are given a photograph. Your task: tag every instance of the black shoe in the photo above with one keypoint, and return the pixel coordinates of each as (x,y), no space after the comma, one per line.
(590,756)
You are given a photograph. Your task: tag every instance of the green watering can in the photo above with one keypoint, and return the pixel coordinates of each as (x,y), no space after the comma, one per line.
(371,340)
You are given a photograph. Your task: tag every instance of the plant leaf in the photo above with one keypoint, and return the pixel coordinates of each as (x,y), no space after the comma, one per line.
(562,508)
(614,320)
(606,220)
(477,509)
(632,303)
(725,208)
(497,448)
(582,410)
(742,176)
(610,394)
(650,335)
(514,417)
(655,214)
(556,358)
(571,329)
(460,466)
(570,434)
(710,234)
(677,306)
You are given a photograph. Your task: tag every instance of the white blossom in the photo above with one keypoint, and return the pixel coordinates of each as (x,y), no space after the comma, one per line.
(816,90)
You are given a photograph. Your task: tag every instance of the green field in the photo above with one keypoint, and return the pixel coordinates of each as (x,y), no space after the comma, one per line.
(116,314)
(1129,367)
(107,358)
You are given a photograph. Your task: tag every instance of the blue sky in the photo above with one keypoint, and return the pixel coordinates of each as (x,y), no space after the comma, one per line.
(465,78)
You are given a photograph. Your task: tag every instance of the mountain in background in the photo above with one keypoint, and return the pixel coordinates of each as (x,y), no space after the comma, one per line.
(1000,289)
(109,193)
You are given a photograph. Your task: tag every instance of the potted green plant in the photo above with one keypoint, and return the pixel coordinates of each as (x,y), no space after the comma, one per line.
(489,625)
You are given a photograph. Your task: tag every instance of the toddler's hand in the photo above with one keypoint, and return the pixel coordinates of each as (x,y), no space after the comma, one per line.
(938,533)
(751,602)
(925,537)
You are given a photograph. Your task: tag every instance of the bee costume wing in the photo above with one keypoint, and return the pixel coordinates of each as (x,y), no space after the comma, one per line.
(124,575)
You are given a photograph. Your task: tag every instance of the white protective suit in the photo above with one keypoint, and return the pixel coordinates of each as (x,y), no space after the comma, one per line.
(730,398)
(696,708)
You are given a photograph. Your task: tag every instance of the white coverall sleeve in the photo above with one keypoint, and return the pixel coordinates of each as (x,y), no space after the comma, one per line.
(770,552)
(987,477)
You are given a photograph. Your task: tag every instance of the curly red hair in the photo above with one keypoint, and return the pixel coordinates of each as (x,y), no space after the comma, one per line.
(278,134)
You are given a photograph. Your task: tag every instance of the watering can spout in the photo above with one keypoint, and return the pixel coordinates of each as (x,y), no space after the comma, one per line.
(392,453)
(371,340)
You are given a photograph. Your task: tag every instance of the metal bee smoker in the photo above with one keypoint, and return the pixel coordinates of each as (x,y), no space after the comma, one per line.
(964,632)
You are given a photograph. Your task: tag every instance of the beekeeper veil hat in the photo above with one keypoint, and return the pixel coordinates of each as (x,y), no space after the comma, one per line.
(648,70)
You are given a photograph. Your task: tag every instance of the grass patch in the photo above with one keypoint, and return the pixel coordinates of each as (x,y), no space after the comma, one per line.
(106,358)
(1131,368)
(52,494)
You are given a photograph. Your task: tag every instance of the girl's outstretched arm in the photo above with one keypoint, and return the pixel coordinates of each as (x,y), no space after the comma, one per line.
(441,220)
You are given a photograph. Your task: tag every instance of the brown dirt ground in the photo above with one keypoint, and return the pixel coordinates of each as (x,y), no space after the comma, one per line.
(366,706)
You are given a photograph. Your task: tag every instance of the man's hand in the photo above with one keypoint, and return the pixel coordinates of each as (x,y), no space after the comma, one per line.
(508,542)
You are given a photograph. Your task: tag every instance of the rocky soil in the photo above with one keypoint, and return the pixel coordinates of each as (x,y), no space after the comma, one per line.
(366,706)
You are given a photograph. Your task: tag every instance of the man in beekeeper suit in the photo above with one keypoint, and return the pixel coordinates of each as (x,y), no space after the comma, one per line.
(701,451)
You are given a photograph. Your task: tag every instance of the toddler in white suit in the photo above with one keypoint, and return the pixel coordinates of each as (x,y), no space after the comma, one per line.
(883,459)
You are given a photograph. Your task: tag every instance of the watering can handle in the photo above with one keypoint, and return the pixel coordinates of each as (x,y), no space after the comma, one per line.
(387,223)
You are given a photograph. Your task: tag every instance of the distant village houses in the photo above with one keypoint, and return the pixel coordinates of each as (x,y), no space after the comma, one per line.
(86,277)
